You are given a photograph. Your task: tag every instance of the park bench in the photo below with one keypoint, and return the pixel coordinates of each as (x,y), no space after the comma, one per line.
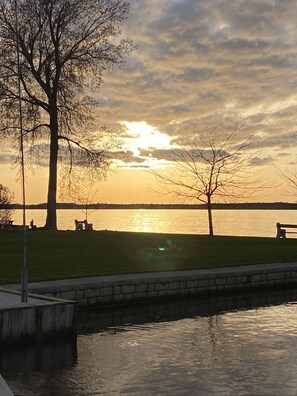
(83,225)
(281,230)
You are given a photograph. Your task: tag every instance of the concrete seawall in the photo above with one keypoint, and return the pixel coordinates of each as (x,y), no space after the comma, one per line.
(143,287)
(40,317)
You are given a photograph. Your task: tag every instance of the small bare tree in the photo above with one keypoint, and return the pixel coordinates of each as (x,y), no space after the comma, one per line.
(211,166)
(85,198)
(6,198)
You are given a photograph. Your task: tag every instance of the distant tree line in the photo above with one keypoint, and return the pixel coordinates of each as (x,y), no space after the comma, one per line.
(217,206)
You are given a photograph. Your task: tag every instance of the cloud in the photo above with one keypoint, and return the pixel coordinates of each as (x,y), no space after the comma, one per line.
(5,158)
(262,161)
(127,157)
(208,63)
(202,64)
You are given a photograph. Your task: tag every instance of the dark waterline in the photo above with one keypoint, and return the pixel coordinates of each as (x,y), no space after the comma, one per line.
(205,346)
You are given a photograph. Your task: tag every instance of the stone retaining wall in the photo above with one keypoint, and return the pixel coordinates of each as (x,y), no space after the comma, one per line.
(142,287)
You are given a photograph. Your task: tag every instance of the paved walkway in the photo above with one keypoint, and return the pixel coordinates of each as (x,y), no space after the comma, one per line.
(236,270)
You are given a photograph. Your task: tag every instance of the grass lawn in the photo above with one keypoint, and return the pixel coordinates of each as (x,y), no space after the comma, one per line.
(70,254)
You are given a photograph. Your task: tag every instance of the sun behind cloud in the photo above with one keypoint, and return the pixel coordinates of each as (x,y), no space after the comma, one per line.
(141,135)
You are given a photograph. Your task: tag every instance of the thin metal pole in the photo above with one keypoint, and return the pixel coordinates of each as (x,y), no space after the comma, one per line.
(24,271)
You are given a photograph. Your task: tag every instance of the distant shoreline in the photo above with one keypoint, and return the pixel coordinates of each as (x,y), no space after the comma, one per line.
(237,206)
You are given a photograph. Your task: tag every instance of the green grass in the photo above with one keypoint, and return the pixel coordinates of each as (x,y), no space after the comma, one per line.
(70,254)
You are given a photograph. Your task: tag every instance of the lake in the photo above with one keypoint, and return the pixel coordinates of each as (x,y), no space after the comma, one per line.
(238,344)
(226,222)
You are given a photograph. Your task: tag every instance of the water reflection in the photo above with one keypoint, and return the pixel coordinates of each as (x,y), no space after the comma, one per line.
(239,344)
(119,318)
(43,356)
(39,370)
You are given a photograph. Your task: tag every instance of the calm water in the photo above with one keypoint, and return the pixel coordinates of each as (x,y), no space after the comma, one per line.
(227,346)
(226,222)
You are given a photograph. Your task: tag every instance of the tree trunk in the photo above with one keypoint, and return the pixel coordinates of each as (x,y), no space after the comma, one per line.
(209,212)
(51,218)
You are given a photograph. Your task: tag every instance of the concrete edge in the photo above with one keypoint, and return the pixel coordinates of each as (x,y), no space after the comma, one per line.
(4,388)
(53,300)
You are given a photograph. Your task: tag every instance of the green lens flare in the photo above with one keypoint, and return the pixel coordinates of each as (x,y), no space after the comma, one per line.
(161,249)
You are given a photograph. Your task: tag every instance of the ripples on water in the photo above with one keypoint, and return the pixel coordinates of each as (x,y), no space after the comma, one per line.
(188,347)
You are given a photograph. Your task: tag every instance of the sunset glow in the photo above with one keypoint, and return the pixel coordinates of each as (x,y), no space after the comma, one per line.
(141,140)
(196,65)
(143,136)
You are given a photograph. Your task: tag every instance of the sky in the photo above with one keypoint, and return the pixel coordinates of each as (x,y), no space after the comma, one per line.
(197,65)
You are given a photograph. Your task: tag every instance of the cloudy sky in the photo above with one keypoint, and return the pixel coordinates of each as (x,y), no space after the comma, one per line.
(197,64)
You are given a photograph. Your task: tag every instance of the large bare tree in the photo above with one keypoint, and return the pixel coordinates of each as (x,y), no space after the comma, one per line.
(65,46)
(211,166)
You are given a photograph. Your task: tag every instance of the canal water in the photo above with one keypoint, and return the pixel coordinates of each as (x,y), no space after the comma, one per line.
(237,344)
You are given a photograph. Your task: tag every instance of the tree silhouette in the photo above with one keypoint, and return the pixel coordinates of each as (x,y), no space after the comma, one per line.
(211,165)
(6,198)
(65,47)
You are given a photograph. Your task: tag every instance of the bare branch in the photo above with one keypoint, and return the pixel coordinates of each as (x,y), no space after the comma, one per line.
(211,167)
(65,47)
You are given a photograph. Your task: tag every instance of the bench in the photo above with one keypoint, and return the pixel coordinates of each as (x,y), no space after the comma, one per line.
(281,230)
(83,225)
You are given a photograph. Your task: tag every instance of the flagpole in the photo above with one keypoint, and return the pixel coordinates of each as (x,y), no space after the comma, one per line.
(24,271)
